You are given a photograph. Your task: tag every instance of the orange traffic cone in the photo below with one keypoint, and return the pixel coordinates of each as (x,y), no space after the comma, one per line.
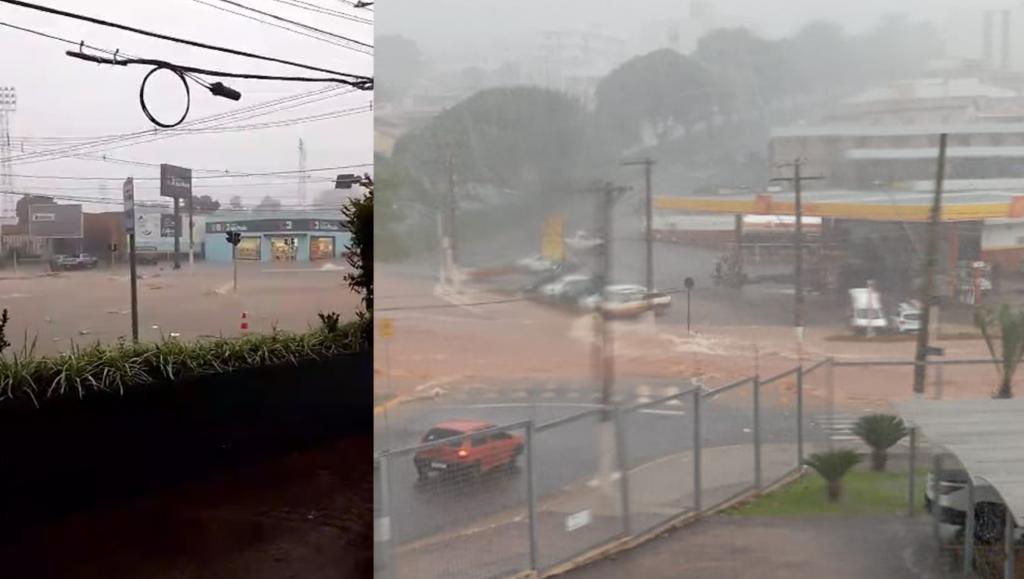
(245,322)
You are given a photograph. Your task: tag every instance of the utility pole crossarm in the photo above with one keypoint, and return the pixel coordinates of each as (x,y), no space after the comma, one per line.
(798,246)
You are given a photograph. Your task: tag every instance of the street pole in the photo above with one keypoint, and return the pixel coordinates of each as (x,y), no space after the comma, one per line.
(649,202)
(191,240)
(449,230)
(177,233)
(234,266)
(927,291)
(133,282)
(798,248)
(603,340)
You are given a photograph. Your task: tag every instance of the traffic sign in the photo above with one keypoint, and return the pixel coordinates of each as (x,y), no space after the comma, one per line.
(128,189)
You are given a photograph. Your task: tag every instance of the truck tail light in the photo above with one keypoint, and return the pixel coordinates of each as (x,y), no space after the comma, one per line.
(463,453)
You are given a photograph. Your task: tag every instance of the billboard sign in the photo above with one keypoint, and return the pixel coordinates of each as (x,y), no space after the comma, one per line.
(55,221)
(275,225)
(128,190)
(167,224)
(175,182)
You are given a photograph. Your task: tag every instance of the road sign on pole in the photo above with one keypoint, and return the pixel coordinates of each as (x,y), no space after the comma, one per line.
(129,211)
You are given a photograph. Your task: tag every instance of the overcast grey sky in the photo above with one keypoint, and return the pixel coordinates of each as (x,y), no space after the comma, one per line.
(451,28)
(59,96)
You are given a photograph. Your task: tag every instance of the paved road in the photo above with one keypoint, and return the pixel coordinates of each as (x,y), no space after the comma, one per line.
(565,454)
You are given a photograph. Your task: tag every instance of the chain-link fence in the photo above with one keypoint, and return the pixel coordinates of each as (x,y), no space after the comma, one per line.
(479,501)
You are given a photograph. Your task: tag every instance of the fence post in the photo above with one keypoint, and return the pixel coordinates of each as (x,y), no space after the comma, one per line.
(969,528)
(800,415)
(936,478)
(830,391)
(757,432)
(383,524)
(1008,542)
(696,452)
(913,467)
(531,495)
(620,450)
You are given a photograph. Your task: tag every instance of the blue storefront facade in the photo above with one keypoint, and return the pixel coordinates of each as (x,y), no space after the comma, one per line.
(302,238)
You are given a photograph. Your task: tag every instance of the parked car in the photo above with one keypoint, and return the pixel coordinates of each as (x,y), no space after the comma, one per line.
(72,262)
(582,241)
(989,508)
(470,452)
(627,300)
(907,318)
(536,264)
(568,287)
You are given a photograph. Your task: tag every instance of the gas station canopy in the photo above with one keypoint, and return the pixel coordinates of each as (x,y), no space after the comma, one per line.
(858,205)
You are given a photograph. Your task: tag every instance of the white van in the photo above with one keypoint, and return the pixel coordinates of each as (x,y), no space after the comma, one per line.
(866,313)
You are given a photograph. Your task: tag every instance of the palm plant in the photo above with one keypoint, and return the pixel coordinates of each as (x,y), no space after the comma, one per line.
(1010,325)
(880,432)
(833,465)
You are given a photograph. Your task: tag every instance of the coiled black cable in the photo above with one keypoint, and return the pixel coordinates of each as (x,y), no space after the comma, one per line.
(142,97)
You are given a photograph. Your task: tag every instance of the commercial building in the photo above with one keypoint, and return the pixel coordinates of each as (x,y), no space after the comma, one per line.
(298,237)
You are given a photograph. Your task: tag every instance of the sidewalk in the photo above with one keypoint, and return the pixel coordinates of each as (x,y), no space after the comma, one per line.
(580,517)
(893,547)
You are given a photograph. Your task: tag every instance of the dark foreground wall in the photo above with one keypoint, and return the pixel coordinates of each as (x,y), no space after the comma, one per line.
(79,453)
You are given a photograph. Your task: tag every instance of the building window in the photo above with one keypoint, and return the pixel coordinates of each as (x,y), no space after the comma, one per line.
(283,248)
(321,248)
(248,248)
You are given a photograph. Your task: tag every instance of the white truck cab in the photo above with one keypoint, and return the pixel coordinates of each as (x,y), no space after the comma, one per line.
(866,313)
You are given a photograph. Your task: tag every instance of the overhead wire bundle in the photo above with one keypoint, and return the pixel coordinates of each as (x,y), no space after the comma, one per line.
(186,73)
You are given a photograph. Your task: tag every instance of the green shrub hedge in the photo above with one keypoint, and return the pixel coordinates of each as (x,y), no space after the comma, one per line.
(116,368)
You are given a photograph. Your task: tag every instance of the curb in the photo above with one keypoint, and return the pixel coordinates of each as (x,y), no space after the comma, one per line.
(394,401)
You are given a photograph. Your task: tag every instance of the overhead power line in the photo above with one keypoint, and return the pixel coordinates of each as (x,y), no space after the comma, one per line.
(220,119)
(356,45)
(289,172)
(275,25)
(316,8)
(169,38)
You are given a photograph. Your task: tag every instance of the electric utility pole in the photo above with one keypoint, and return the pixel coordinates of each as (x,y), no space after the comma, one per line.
(447,221)
(928,287)
(798,246)
(649,237)
(603,354)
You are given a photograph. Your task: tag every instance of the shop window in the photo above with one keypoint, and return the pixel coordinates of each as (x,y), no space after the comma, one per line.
(283,248)
(248,248)
(321,248)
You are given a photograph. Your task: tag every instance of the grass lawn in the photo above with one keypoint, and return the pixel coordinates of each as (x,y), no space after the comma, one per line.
(864,493)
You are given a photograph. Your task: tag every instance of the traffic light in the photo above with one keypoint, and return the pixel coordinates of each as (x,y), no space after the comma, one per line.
(233,237)
(346,181)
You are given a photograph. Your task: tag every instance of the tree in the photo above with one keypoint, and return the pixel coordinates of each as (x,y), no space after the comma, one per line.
(1009,323)
(358,212)
(269,202)
(880,432)
(398,65)
(833,465)
(753,66)
(521,138)
(235,202)
(659,94)
(205,204)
